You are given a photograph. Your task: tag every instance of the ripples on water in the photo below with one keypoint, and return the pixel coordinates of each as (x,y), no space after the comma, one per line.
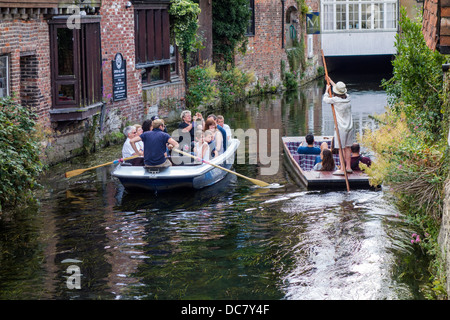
(229,241)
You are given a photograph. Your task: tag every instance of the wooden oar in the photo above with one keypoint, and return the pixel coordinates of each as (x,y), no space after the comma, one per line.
(73,173)
(341,152)
(254,181)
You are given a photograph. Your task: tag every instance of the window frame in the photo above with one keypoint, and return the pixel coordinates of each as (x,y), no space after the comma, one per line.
(387,10)
(87,78)
(251,30)
(7,75)
(152,43)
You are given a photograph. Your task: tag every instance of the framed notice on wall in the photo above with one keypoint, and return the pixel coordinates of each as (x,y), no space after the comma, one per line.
(119,76)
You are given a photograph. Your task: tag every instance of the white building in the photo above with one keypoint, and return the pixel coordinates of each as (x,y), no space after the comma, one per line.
(358,27)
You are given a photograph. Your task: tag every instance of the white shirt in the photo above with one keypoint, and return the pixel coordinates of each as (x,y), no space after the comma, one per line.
(127,149)
(343,111)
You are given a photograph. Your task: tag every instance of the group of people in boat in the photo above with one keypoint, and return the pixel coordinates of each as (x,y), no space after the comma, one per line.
(351,151)
(151,144)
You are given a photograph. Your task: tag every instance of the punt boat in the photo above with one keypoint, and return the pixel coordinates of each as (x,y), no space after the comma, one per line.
(184,173)
(300,167)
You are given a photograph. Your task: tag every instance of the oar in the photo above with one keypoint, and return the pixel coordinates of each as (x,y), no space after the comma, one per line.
(254,181)
(73,173)
(341,153)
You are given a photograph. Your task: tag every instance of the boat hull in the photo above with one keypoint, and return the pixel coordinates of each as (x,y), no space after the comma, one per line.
(318,179)
(193,176)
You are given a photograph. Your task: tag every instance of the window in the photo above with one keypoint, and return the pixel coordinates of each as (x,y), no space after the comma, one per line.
(4,76)
(75,63)
(154,54)
(358,15)
(251,21)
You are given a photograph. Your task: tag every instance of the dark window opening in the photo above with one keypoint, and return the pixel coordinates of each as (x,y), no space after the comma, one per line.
(155,55)
(251,21)
(75,67)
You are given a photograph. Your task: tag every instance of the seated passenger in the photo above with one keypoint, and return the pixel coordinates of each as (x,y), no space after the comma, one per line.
(139,131)
(327,163)
(201,147)
(357,158)
(209,138)
(127,149)
(156,143)
(323,146)
(309,149)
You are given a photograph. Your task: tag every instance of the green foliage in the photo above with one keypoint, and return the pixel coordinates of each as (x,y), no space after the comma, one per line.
(20,165)
(410,148)
(202,86)
(296,55)
(184,21)
(232,84)
(230,22)
(416,85)
(207,85)
(290,80)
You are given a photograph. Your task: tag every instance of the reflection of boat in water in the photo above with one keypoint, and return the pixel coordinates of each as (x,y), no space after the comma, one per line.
(300,166)
(183,174)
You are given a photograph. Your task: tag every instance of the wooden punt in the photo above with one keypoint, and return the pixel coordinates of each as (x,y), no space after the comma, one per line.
(300,167)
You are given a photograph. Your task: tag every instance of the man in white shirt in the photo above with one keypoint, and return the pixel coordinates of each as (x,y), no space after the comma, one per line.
(221,122)
(127,150)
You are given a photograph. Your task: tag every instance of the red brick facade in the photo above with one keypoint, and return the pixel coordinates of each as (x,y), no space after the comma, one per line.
(27,46)
(436,25)
(265,49)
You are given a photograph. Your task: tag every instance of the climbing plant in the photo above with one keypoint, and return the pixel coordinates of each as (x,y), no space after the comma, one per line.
(184,21)
(230,23)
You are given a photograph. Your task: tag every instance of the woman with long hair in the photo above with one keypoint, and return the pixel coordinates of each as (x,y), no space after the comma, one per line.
(327,163)
(211,125)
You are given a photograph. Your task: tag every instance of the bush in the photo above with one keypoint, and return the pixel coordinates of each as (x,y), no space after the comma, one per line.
(202,85)
(232,84)
(417,82)
(410,145)
(20,165)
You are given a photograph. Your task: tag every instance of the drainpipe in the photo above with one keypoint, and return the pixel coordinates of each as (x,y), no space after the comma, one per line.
(282,23)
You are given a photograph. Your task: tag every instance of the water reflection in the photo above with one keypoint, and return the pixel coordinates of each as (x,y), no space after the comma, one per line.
(229,241)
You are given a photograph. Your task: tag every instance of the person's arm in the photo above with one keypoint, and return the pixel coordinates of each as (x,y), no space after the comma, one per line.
(172,143)
(133,145)
(219,141)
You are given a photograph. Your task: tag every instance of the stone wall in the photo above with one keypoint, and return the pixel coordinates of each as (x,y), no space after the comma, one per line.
(444,234)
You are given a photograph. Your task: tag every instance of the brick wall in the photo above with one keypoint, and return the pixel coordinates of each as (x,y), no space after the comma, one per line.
(117,35)
(436,25)
(265,51)
(27,43)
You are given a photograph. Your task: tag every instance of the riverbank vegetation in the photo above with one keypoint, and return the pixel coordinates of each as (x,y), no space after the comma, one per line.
(410,146)
(20,164)
(208,86)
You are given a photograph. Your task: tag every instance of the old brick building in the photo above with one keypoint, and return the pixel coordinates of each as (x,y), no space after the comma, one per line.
(57,57)
(89,67)
(274,25)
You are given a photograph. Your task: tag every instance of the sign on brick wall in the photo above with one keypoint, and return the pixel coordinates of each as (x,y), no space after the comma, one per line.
(119,76)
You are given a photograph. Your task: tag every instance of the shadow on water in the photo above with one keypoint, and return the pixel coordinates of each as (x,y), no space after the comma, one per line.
(229,241)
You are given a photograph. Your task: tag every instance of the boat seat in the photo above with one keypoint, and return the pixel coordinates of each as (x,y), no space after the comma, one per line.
(306,161)
(155,169)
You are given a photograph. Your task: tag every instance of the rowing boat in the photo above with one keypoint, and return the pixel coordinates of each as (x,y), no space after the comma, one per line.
(184,173)
(301,166)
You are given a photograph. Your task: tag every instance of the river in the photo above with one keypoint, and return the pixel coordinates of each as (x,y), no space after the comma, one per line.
(230,241)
